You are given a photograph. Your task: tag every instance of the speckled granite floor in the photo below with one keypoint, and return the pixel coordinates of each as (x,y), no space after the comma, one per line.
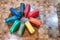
(40,34)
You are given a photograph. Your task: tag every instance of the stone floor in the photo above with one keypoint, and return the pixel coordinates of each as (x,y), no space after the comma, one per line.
(40,34)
